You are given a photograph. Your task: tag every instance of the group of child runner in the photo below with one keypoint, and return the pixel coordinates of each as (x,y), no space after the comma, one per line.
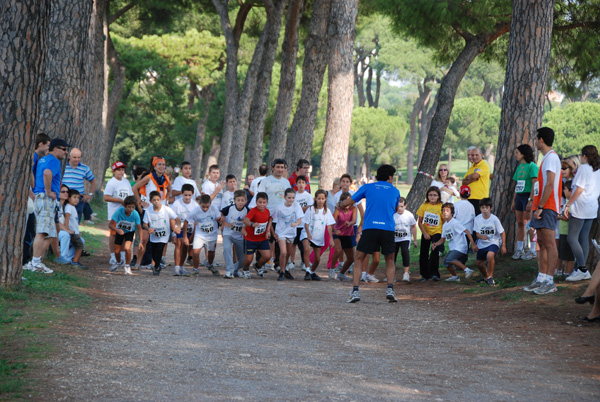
(254,233)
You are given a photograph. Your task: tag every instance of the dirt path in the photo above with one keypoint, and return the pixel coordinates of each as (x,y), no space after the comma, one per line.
(206,338)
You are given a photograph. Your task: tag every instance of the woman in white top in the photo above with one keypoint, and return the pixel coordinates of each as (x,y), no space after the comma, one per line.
(440,182)
(582,209)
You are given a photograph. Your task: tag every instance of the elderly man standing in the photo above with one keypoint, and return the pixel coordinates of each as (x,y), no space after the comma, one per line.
(47,186)
(477,177)
(75,175)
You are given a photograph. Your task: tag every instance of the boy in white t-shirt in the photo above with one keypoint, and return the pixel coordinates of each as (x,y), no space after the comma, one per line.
(213,187)
(115,192)
(287,216)
(232,218)
(204,220)
(490,238)
(456,234)
(185,178)
(159,220)
(72,225)
(305,200)
(405,228)
(232,186)
(182,208)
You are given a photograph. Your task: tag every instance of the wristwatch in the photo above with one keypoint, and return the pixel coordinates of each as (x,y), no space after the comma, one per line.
(540,207)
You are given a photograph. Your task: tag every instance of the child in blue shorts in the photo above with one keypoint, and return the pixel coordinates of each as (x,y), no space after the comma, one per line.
(256,233)
(490,239)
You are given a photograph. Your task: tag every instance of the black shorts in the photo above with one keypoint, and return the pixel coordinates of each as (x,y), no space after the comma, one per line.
(346,241)
(127,236)
(521,201)
(272,238)
(297,238)
(372,240)
(564,250)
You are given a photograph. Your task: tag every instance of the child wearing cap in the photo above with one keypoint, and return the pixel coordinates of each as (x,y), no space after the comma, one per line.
(115,192)
(464,211)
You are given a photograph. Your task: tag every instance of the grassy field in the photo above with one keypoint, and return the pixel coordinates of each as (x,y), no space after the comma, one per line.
(26,314)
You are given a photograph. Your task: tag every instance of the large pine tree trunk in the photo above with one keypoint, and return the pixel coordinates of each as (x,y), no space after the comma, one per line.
(359,80)
(424,91)
(439,123)
(23,40)
(287,82)
(260,103)
(423,125)
(523,101)
(65,77)
(299,144)
(231,82)
(340,90)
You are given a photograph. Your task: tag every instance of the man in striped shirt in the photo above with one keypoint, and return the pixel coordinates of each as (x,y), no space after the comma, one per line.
(74,177)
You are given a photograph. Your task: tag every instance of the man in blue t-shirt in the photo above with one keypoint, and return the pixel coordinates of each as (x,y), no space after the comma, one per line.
(47,186)
(378,226)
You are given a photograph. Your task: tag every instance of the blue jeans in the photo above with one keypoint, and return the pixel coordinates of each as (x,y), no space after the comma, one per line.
(579,230)
(238,245)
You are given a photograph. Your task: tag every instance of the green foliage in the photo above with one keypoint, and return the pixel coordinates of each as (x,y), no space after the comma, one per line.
(376,132)
(481,73)
(473,122)
(575,125)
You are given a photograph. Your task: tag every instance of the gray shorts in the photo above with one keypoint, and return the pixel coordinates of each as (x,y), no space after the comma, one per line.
(548,220)
(76,241)
(45,211)
(455,255)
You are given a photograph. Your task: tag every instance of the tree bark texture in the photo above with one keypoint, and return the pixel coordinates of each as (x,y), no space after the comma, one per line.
(197,156)
(425,117)
(439,123)
(369,88)
(66,78)
(212,157)
(287,82)
(359,80)
(341,32)
(231,83)
(260,103)
(424,91)
(244,105)
(23,40)
(528,60)
(299,144)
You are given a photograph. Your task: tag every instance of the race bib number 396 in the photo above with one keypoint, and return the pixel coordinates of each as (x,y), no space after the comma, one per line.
(431,219)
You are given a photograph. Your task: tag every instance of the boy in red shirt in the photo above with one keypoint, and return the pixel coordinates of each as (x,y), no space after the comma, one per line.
(256,234)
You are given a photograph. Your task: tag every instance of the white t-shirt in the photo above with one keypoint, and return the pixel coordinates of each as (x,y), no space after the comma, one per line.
(118,189)
(337,195)
(206,224)
(179,182)
(402,225)
(454,233)
(317,220)
(236,218)
(586,205)
(73,218)
(227,199)
(208,187)
(490,227)
(255,183)
(331,200)
(305,199)
(275,189)
(182,210)
(161,223)
(464,212)
(284,216)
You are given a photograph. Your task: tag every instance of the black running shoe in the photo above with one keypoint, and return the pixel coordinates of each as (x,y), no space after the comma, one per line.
(315,277)
(281,276)
(307,276)
(287,275)
(155,271)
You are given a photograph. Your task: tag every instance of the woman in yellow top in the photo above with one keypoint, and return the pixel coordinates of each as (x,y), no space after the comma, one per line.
(430,222)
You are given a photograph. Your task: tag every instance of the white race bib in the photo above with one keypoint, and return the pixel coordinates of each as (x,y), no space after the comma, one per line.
(449,235)
(261,228)
(520,186)
(160,232)
(123,192)
(237,226)
(400,234)
(488,230)
(207,228)
(431,219)
(536,189)
(125,226)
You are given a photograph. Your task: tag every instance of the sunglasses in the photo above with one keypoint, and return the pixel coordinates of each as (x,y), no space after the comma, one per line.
(64,191)
(62,148)
(564,168)
(443,170)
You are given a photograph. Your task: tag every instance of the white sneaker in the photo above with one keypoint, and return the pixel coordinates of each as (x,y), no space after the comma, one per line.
(290,266)
(518,254)
(372,279)
(41,268)
(177,271)
(453,279)
(577,275)
(363,277)
(342,278)
(332,273)
(128,270)
(247,274)
(113,260)
(528,255)
(183,272)
(114,266)
(406,277)
(28,267)
(468,272)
